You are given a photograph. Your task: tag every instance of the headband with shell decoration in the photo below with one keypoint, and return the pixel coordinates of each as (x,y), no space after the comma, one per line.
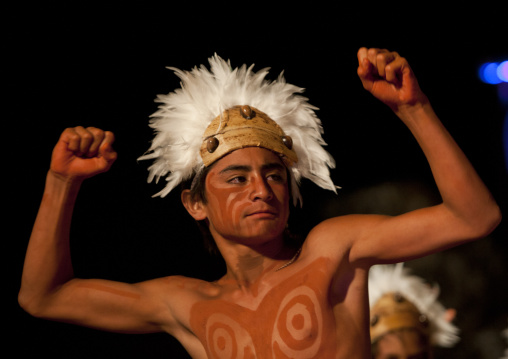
(189,120)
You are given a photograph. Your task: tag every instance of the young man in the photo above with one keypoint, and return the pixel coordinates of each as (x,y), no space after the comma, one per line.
(274,301)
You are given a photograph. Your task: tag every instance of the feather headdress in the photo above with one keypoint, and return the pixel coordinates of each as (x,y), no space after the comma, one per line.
(395,279)
(504,333)
(185,114)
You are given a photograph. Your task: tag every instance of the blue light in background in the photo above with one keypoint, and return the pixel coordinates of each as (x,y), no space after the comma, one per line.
(502,71)
(494,72)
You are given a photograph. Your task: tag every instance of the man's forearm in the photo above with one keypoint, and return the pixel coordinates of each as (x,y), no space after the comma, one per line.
(48,263)
(461,188)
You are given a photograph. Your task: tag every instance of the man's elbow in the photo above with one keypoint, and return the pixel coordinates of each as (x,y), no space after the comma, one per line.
(488,221)
(496,217)
(30,304)
(25,303)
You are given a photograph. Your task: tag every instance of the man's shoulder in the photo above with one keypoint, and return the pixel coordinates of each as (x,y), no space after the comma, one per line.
(182,287)
(337,226)
(180,282)
(338,234)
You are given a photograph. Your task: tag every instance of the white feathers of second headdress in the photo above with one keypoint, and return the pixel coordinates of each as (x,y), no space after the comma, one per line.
(504,333)
(184,115)
(396,279)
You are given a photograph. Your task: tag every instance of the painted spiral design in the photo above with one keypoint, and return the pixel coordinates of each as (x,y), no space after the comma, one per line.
(226,338)
(298,325)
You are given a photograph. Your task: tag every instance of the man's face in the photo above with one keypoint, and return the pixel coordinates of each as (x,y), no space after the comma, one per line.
(247,196)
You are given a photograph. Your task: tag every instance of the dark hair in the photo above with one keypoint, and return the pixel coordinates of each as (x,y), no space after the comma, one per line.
(197,187)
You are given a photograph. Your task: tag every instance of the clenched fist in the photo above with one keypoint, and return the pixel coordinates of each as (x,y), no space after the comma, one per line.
(83,152)
(388,76)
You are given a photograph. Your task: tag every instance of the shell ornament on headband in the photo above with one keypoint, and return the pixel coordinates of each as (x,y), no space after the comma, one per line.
(400,300)
(220,110)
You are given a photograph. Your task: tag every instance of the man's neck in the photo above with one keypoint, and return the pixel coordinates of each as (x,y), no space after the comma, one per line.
(246,265)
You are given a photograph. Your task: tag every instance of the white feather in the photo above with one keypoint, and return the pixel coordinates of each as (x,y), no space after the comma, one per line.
(183,116)
(504,333)
(395,278)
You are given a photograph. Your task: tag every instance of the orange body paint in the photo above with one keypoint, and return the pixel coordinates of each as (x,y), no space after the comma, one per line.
(109,289)
(293,319)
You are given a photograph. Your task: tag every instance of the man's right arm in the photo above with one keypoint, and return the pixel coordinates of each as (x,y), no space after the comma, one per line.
(48,287)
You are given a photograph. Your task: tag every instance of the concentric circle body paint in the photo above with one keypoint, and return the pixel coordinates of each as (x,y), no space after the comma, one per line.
(292,319)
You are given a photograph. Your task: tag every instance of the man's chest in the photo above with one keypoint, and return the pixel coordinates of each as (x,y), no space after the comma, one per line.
(291,319)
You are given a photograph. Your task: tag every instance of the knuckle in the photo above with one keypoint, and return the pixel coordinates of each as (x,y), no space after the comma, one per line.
(95,131)
(381,57)
(87,136)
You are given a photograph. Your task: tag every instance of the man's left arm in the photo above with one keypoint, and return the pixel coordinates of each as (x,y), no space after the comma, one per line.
(468,210)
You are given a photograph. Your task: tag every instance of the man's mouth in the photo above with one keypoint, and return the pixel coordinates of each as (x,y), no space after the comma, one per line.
(262,213)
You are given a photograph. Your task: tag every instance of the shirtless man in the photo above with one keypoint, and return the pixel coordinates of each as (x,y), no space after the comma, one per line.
(273,301)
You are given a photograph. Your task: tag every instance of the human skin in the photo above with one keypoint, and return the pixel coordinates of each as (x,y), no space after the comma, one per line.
(322,295)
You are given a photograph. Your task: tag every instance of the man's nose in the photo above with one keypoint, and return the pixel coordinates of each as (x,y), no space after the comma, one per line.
(260,189)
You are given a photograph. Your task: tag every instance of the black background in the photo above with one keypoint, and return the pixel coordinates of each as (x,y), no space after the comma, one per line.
(103,66)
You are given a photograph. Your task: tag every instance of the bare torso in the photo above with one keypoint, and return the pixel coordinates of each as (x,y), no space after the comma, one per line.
(315,307)
(306,310)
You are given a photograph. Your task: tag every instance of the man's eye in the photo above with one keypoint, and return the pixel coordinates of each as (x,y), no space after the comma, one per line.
(237,179)
(276,177)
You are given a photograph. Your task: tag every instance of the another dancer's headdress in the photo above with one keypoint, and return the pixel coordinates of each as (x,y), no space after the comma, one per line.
(505,336)
(220,110)
(399,300)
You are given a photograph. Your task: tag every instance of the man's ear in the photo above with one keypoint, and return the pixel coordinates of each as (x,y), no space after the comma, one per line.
(194,206)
